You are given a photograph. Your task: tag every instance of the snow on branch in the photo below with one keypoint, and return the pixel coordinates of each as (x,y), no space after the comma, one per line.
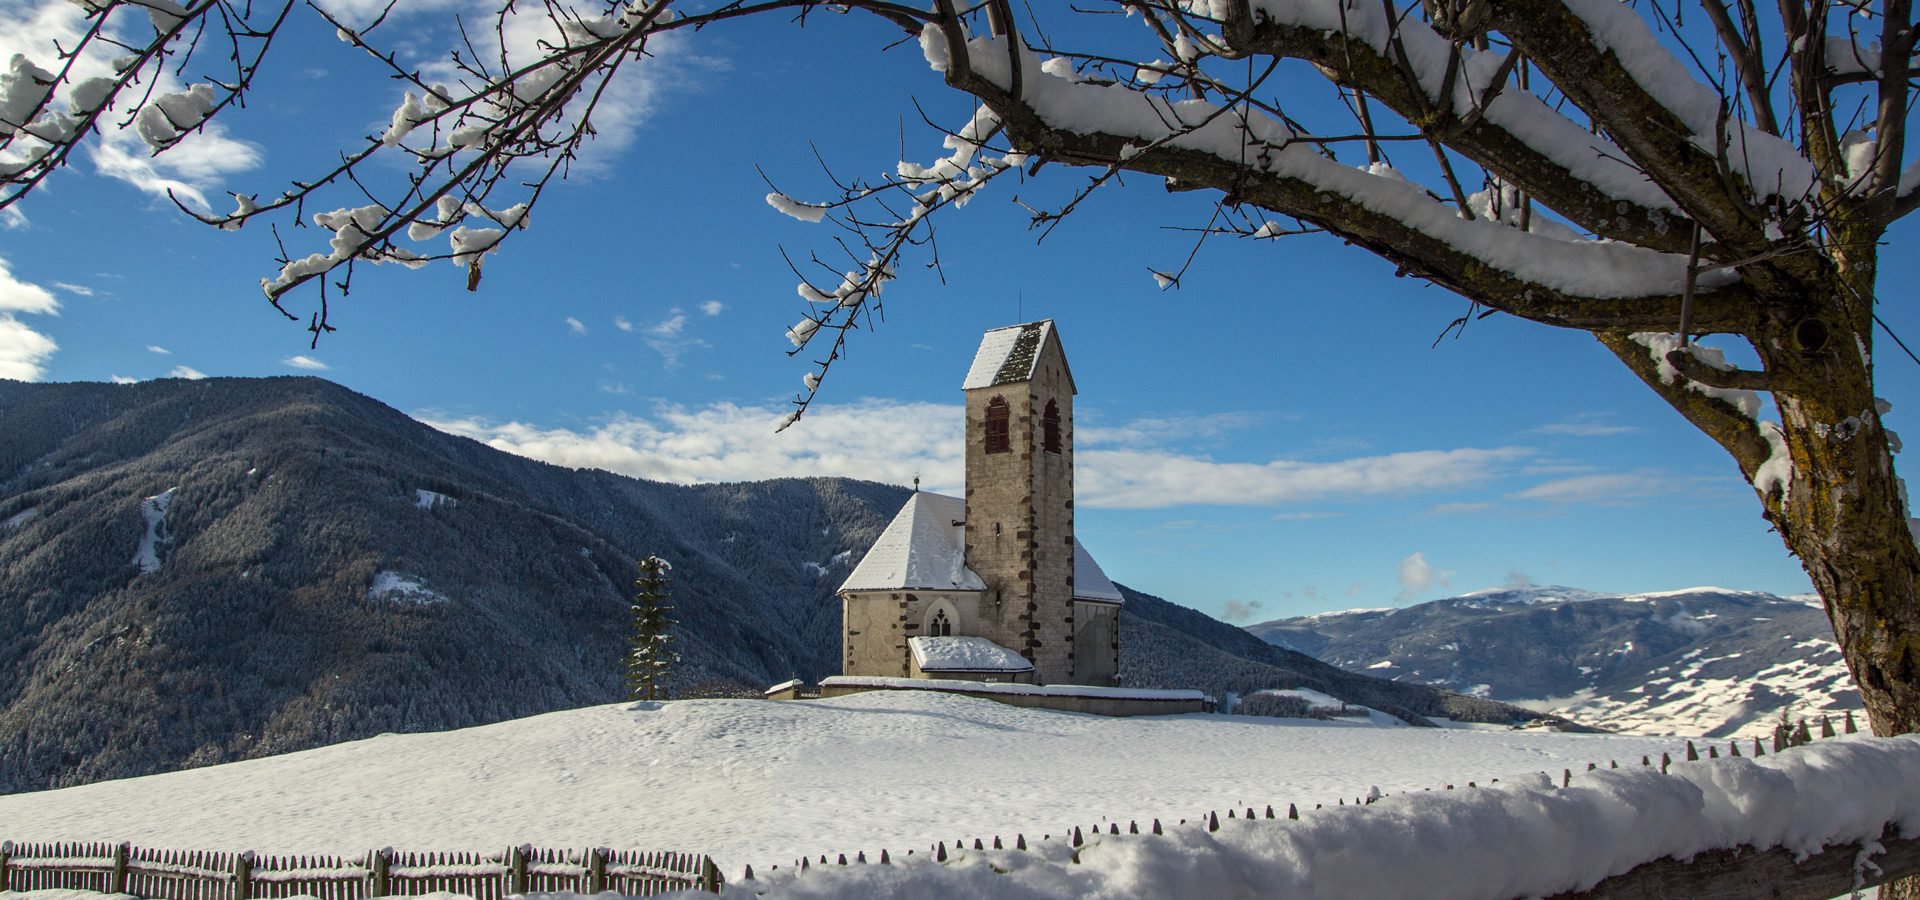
(120,76)
(1511,130)
(1662,346)
(1674,358)
(917,193)
(1264,160)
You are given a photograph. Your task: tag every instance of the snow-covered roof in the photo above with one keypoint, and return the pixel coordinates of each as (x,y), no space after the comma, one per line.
(965,654)
(1007,355)
(1090,582)
(923,547)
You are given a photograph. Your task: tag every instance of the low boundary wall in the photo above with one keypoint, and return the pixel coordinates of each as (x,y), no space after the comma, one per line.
(1101,701)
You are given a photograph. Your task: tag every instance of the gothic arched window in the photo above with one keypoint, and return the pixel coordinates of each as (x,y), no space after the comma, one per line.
(1050,428)
(996,431)
(940,626)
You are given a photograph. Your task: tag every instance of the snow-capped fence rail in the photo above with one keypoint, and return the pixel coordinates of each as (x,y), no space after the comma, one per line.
(1811,819)
(220,875)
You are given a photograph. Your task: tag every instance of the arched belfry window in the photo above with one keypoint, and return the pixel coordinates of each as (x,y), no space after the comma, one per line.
(1050,428)
(996,431)
(939,625)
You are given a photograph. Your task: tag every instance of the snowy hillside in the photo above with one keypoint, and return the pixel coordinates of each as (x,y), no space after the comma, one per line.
(760,782)
(198,572)
(1704,660)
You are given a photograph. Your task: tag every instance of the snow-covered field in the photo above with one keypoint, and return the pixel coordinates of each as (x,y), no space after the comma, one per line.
(761,782)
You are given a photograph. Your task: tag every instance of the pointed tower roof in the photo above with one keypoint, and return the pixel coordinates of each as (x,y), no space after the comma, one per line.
(1008,355)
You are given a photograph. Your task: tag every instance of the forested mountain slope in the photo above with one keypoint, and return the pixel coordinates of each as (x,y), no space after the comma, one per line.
(305,591)
(199,571)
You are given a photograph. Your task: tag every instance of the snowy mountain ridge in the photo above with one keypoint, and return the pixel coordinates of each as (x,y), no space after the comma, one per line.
(1701,660)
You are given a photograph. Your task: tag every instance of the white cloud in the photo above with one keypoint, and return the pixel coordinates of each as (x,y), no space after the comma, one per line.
(1240,610)
(156,348)
(665,338)
(188,372)
(306,362)
(671,326)
(1452,509)
(1417,576)
(185,171)
(24,352)
(1618,489)
(1586,425)
(875,440)
(713,307)
(78,290)
(18,296)
(620,110)
(1158,430)
(1142,479)
(891,442)
(576,326)
(123,379)
(198,162)
(360,13)
(622,323)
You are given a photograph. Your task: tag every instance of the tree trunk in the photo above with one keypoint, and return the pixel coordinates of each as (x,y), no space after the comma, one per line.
(1845,517)
(1844,513)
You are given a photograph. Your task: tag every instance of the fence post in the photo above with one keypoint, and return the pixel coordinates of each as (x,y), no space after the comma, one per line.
(382,872)
(243,875)
(710,880)
(117,882)
(596,870)
(6,864)
(517,869)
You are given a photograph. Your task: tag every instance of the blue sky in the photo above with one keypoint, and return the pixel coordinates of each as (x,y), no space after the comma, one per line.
(1274,437)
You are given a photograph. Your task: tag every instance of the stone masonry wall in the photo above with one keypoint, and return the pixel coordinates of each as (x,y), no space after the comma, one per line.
(1020,520)
(878,624)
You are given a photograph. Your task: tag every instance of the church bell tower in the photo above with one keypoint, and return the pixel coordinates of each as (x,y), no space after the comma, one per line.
(1019,500)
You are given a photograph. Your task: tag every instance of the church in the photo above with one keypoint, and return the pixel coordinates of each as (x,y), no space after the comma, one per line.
(992,586)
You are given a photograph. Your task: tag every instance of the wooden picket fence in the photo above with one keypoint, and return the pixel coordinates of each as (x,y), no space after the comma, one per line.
(220,875)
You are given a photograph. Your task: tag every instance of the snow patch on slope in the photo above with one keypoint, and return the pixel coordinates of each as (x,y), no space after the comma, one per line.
(1746,705)
(154,510)
(405,590)
(20,518)
(425,499)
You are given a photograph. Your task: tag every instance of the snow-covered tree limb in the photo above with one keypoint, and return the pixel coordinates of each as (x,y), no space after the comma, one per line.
(1256,159)
(1580,175)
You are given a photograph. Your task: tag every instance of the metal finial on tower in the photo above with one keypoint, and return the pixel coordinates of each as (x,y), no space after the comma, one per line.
(916,484)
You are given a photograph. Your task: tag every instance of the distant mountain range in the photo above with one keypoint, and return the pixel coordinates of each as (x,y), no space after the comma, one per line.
(1704,661)
(194,572)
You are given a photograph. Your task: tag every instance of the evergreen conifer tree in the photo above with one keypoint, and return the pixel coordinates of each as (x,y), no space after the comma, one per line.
(648,657)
